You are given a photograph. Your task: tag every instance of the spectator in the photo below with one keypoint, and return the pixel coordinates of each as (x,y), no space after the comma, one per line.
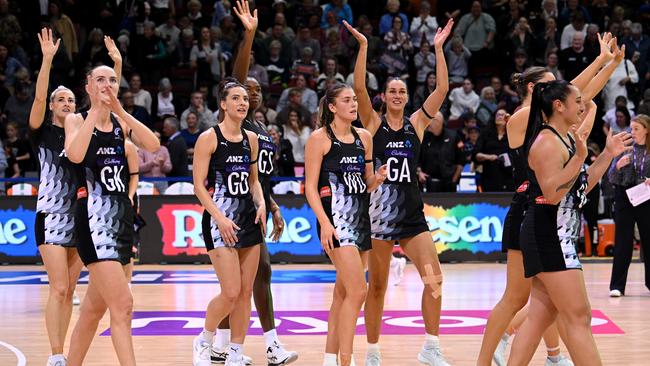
(18,107)
(297,132)
(19,148)
(398,48)
(10,30)
(226,35)
(155,165)
(295,104)
(487,107)
(548,41)
(577,25)
(386,22)
(624,75)
(330,71)
(340,10)
(425,62)
(286,30)
(138,112)
(570,11)
(521,37)
(12,169)
(184,48)
(276,68)
(165,105)
(169,33)
(478,30)
(306,66)
(573,60)
(162,10)
(644,108)
(637,49)
(258,72)
(304,40)
(177,148)
(265,47)
(8,67)
(196,17)
(519,65)
(309,97)
(621,122)
(284,162)
(191,133)
(375,45)
(492,153)
(207,60)
(610,117)
(423,91)
(457,60)
(424,26)
(441,159)
(199,107)
(141,97)
(333,46)
(63,26)
(592,44)
(148,53)
(371,82)
(463,99)
(506,97)
(552,65)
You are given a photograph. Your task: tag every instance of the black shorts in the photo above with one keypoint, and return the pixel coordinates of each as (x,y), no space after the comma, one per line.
(242,212)
(105,232)
(512,223)
(397,212)
(55,229)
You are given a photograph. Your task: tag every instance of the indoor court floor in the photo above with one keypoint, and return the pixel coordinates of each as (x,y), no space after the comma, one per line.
(170,301)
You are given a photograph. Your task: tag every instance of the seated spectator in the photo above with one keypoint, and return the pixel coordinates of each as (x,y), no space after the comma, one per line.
(8,67)
(156,164)
(297,132)
(141,97)
(577,25)
(258,72)
(287,31)
(284,161)
(276,69)
(334,46)
(469,121)
(177,148)
(184,48)
(463,99)
(491,152)
(207,60)
(375,45)
(165,105)
(386,22)
(303,40)
(506,96)
(93,52)
(148,53)
(18,107)
(196,16)
(547,41)
(20,149)
(610,117)
(441,158)
(263,51)
(457,56)
(398,48)
(621,122)
(624,75)
(341,11)
(306,67)
(371,82)
(425,62)
(552,64)
(199,107)
(424,26)
(226,35)
(574,59)
(422,92)
(330,71)
(309,97)
(191,133)
(136,111)
(170,34)
(295,104)
(487,107)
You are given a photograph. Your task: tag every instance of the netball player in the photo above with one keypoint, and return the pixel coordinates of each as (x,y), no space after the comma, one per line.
(558,185)
(275,352)
(55,207)
(234,219)
(133,167)
(517,291)
(338,176)
(95,141)
(396,208)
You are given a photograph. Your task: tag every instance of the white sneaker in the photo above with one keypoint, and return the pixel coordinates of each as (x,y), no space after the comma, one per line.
(393,273)
(235,361)
(219,356)
(200,352)
(51,362)
(562,362)
(402,267)
(276,355)
(615,293)
(75,299)
(432,356)
(373,359)
(499,356)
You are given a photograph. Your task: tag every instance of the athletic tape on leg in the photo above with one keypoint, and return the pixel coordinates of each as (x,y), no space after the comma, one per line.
(433,280)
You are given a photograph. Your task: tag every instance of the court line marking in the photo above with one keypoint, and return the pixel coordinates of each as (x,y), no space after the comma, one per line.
(22,360)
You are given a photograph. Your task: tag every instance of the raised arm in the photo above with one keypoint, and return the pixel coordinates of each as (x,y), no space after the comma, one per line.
(373,179)
(249,21)
(132,158)
(114,54)
(423,116)
(140,134)
(49,48)
(368,116)
(581,81)
(78,131)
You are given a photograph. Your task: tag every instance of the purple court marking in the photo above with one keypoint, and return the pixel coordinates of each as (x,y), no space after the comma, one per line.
(401,322)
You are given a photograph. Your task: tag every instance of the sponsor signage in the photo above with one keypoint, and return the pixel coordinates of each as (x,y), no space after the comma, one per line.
(17,237)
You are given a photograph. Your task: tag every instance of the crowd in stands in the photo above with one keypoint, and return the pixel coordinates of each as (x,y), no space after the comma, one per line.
(175,52)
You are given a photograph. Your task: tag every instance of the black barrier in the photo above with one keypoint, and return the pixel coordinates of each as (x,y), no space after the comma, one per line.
(465,227)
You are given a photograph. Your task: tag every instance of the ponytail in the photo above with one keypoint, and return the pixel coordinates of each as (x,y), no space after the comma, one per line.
(541,107)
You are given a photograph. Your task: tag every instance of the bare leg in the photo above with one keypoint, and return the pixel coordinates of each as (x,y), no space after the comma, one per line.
(248,261)
(378,268)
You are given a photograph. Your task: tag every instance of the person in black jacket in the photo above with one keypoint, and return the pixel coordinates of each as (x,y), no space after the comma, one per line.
(176,146)
(441,158)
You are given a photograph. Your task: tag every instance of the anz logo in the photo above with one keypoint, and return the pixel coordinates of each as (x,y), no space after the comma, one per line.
(264,138)
(107,150)
(236,159)
(399,145)
(63,154)
(352,160)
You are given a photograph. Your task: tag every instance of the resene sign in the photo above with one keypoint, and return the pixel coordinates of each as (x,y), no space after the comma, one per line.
(17,239)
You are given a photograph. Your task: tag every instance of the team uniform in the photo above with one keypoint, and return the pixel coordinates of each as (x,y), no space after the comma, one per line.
(344,193)
(396,207)
(515,215)
(55,207)
(265,159)
(104,214)
(549,233)
(228,174)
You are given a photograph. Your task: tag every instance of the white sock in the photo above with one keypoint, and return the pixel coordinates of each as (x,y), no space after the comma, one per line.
(234,351)
(431,341)
(373,348)
(271,337)
(207,335)
(222,339)
(330,359)
(57,357)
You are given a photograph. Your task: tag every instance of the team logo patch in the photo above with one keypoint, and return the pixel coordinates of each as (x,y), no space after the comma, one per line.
(325,192)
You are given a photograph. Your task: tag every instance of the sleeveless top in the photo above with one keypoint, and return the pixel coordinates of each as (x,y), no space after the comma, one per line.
(266,151)
(519,168)
(57,183)
(229,167)
(399,150)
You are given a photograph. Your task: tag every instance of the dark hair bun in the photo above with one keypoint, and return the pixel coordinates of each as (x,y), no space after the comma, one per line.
(517,79)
